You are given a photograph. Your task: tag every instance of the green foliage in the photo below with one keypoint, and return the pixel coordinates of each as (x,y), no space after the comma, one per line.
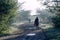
(53,33)
(56,11)
(22,15)
(7,10)
(56,20)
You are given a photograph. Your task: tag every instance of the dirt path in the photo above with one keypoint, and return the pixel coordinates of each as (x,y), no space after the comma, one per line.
(40,35)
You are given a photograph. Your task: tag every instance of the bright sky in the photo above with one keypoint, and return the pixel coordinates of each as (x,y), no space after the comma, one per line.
(32,5)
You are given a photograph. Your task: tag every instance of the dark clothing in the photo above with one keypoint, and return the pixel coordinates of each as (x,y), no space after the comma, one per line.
(36,22)
(29,20)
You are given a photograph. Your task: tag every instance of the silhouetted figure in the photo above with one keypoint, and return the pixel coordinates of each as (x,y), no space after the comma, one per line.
(29,20)
(36,22)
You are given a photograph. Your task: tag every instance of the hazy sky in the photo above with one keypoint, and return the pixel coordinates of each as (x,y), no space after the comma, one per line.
(32,5)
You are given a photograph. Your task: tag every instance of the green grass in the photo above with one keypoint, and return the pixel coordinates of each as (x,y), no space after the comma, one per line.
(53,33)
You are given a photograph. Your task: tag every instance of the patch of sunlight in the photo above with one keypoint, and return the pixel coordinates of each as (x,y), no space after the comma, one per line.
(31,34)
(33,13)
(13,30)
(17,24)
(46,26)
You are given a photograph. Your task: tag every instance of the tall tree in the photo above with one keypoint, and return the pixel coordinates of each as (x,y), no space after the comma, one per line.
(7,10)
(55,8)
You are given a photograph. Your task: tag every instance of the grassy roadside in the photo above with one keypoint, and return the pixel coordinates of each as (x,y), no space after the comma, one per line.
(10,31)
(53,33)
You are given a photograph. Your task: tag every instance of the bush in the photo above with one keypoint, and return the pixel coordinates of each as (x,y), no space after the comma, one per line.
(7,10)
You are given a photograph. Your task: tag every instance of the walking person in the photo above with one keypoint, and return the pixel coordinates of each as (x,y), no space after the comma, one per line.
(29,20)
(36,22)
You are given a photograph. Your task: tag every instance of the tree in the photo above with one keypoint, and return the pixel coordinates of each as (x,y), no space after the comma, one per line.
(8,9)
(22,15)
(55,8)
